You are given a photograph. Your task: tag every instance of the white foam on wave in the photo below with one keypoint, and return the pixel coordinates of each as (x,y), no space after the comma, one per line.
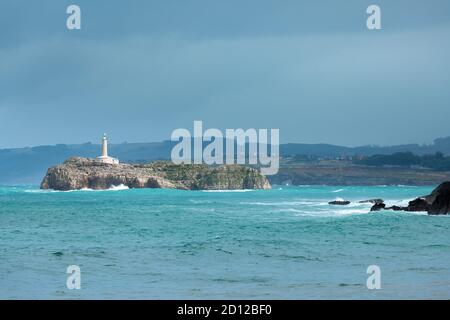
(119,187)
(317,208)
(39,191)
(406,186)
(419,213)
(327,214)
(53,191)
(284,203)
(338,190)
(398,202)
(112,188)
(352,211)
(361,205)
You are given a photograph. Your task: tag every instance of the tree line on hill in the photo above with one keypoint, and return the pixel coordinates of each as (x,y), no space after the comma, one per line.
(437,161)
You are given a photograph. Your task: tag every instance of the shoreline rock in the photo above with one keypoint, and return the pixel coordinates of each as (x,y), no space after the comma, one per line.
(395,208)
(79,173)
(436,203)
(339,202)
(439,200)
(417,205)
(378,207)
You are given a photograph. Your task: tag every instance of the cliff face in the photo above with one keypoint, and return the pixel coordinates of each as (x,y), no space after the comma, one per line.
(79,173)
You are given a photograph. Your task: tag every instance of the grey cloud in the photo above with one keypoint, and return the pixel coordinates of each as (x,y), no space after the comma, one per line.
(317,84)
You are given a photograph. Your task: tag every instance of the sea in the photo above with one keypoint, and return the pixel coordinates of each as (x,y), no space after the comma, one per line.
(284,243)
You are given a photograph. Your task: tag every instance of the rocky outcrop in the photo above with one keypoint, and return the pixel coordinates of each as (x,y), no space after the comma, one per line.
(417,205)
(439,200)
(436,203)
(395,208)
(80,173)
(378,206)
(339,202)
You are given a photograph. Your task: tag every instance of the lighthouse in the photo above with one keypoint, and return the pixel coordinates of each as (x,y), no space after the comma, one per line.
(104,158)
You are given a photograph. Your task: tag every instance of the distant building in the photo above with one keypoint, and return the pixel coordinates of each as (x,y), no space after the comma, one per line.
(104,158)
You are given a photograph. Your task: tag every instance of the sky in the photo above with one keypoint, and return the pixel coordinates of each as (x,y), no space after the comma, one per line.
(140,69)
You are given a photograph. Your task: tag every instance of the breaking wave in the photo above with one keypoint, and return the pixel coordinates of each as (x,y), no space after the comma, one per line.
(112,188)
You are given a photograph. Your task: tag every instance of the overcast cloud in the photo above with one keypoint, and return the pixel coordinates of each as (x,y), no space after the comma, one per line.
(140,69)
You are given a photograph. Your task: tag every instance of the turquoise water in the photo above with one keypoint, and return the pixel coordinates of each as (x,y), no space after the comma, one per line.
(285,243)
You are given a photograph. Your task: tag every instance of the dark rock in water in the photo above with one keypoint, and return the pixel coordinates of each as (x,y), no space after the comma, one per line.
(437,203)
(439,200)
(375,201)
(339,203)
(396,208)
(378,207)
(418,204)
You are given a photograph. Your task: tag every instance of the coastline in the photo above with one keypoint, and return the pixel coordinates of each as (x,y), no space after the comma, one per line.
(353,175)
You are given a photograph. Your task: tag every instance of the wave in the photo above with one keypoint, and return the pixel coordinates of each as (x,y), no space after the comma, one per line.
(352,211)
(112,188)
(324,214)
(338,190)
(406,186)
(419,213)
(39,191)
(119,187)
(285,203)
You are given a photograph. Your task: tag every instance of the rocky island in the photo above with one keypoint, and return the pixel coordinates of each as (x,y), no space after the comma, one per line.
(80,173)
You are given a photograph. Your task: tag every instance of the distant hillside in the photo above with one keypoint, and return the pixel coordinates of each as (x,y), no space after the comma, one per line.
(29,165)
(437,161)
(328,150)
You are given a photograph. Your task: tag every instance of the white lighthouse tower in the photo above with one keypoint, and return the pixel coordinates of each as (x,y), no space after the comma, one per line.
(104,158)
